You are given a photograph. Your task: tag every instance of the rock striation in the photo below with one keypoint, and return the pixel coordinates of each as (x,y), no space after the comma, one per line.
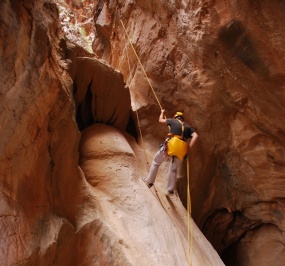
(38,194)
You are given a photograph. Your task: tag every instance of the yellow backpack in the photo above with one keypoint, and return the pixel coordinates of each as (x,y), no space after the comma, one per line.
(176,146)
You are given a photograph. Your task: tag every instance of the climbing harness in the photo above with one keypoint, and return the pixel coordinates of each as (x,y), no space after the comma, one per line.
(174,137)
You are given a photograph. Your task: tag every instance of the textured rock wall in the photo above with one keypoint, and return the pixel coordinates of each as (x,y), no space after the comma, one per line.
(100,94)
(51,212)
(36,109)
(222,63)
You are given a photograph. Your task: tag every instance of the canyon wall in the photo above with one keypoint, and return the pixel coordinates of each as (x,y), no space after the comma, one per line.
(222,64)
(37,132)
(70,184)
(71,154)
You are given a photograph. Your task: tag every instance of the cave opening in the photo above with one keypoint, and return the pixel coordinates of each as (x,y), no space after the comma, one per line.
(85,116)
(84,113)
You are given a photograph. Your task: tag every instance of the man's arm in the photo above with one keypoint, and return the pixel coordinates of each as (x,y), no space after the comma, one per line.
(193,139)
(162,119)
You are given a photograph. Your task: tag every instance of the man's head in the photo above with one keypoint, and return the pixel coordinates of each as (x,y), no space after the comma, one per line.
(178,115)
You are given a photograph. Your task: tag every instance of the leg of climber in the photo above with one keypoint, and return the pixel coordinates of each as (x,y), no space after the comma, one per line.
(172,173)
(158,159)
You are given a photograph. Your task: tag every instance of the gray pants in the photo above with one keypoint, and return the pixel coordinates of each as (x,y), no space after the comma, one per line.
(158,159)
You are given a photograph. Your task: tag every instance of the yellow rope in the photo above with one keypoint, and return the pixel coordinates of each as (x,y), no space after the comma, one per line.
(139,126)
(190,233)
(141,64)
(188,174)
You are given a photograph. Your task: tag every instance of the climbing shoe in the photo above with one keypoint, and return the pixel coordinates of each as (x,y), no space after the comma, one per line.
(148,184)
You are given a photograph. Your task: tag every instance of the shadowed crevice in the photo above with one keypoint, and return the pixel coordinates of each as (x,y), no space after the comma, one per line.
(235,37)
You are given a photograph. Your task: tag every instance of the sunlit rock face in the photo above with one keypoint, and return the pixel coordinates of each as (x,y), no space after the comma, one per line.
(222,63)
(138,226)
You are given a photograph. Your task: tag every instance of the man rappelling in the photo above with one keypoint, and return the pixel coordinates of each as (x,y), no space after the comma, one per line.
(176,146)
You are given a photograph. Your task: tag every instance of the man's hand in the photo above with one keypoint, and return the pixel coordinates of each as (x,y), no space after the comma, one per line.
(162,118)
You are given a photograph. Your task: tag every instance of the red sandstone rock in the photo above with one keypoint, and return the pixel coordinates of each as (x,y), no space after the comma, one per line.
(101,95)
(50,214)
(222,64)
(37,132)
(137,227)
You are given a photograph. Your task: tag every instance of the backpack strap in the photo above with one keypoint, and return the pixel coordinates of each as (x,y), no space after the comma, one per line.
(182,128)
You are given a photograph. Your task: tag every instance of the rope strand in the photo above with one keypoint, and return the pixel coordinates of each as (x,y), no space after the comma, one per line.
(139,126)
(141,64)
(190,233)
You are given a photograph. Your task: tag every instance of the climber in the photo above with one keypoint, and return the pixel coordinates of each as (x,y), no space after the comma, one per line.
(175,146)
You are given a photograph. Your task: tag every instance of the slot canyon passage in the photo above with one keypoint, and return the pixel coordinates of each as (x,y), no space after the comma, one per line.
(79,128)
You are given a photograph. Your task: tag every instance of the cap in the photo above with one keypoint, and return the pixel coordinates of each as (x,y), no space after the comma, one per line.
(178,114)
